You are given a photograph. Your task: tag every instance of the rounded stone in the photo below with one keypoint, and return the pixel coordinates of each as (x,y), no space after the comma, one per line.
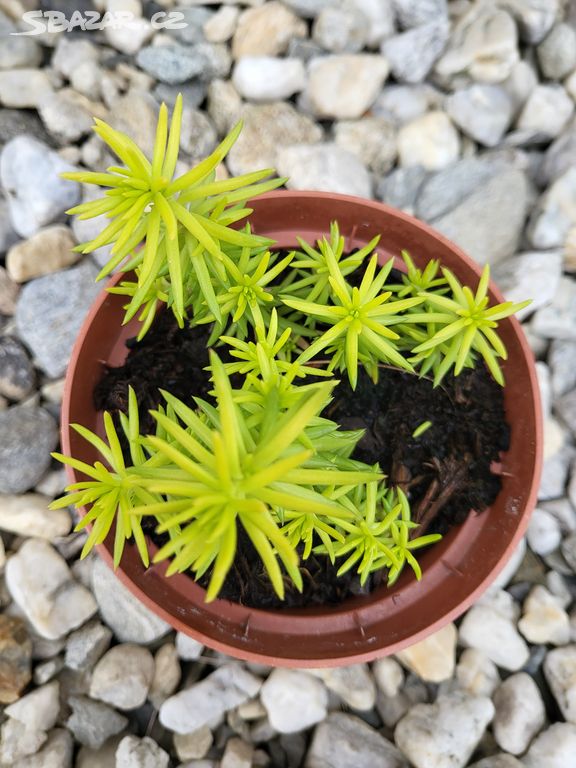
(27,435)
(30,175)
(294,700)
(520,713)
(16,370)
(123,676)
(430,141)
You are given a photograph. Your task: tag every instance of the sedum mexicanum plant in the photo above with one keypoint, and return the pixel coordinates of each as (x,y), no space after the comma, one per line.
(260,455)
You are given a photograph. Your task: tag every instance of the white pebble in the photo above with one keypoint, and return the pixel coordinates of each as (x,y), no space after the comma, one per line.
(294,700)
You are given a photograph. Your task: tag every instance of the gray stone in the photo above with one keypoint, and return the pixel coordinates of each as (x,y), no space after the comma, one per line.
(431,141)
(389,675)
(92,722)
(204,702)
(493,633)
(86,645)
(265,78)
(444,734)
(23,88)
(71,54)
(308,9)
(41,584)
(56,752)
(520,83)
(554,748)
(294,700)
(560,671)
(303,49)
(128,618)
(27,435)
(136,114)
(345,86)
(373,139)
(68,115)
(16,370)
(558,320)
(535,17)
(560,358)
(169,63)
(39,709)
(555,213)
(187,647)
(403,103)
(520,713)
(392,709)
(343,740)
(483,112)
(193,22)
(380,15)
(28,515)
(268,128)
(544,534)
(123,676)
(412,54)
(8,235)
(30,176)
(566,409)
(215,60)
(488,224)
(401,187)
(17,52)
(442,192)
(50,312)
(133,752)
(559,156)
(193,94)
(16,122)
(224,107)
(547,111)
(340,28)
(324,167)
(48,670)
(198,136)
(167,674)
(483,44)
(534,275)
(415,13)
(557,52)
(569,551)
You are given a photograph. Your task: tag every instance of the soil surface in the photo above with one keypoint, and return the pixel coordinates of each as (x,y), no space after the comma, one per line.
(446,471)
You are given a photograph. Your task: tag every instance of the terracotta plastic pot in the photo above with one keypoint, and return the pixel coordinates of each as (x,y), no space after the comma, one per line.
(456,571)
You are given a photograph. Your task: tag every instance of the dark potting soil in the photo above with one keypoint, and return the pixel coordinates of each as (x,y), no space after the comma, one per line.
(446,472)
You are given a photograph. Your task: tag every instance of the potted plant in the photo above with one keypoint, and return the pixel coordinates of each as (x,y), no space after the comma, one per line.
(265,484)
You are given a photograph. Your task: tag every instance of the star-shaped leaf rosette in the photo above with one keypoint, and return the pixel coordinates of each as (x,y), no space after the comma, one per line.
(181,222)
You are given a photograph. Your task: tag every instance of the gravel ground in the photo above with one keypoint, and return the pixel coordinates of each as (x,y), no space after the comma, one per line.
(459,112)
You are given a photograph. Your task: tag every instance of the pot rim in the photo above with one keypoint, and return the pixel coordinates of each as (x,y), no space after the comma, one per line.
(352,616)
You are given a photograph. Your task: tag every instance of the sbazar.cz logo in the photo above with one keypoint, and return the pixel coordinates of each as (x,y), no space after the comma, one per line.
(57,21)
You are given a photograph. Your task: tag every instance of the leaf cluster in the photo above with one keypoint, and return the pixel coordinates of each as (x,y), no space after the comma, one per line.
(261,456)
